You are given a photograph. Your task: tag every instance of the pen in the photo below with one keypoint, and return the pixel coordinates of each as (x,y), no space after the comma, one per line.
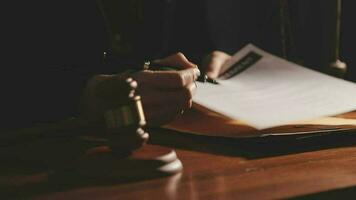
(155,67)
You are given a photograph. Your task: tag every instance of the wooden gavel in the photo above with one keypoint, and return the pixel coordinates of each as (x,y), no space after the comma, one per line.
(125,123)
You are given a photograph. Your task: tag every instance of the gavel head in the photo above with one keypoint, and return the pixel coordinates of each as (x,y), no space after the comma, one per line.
(125,123)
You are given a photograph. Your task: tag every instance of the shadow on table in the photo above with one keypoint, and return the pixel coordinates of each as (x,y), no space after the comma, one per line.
(55,165)
(253,148)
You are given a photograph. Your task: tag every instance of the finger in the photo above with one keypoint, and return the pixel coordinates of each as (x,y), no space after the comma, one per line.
(189,75)
(192,88)
(166,79)
(143,135)
(162,107)
(214,63)
(165,113)
(156,116)
(181,98)
(214,68)
(176,60)
(114,87)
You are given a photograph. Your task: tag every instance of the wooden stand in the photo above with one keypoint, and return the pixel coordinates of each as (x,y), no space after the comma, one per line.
(70,163)
(147,162)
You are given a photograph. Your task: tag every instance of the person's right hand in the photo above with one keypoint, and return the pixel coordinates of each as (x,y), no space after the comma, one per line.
(164,94)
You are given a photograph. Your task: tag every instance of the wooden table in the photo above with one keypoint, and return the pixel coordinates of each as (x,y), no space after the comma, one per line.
(214,168)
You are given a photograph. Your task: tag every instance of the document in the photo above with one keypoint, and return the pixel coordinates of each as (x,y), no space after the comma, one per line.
(264,91)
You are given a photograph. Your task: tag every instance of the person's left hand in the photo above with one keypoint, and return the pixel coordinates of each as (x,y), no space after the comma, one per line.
(213,63)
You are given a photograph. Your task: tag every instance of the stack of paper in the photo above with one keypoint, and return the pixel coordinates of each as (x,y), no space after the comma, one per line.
(265,91)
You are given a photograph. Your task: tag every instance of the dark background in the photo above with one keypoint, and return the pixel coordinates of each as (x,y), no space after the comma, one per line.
(50,48)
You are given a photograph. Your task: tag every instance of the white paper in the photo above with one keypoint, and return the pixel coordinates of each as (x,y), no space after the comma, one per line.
(275,92)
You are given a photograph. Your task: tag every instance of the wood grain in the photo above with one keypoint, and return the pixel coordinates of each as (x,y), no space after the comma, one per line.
(214,168)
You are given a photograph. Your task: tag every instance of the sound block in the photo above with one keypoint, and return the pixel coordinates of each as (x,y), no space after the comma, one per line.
(101,164)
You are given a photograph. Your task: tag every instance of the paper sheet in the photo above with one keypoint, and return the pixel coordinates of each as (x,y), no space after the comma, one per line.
(274,92)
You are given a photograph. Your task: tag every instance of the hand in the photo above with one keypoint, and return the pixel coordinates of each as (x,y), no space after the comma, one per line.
(213,63)
(164,94)
(103,102)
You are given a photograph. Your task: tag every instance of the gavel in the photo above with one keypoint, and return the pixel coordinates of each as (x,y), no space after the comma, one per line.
(125,122)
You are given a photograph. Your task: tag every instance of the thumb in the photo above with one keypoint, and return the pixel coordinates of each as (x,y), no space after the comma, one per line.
(177,60)
(214,62)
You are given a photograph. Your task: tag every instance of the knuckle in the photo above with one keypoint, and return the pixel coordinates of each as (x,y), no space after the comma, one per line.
(190,103)
(187,104)
(179,78)
(187,94)
(180,56)
(215,53)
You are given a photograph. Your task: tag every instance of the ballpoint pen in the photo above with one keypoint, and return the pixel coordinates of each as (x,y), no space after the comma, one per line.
(156,67)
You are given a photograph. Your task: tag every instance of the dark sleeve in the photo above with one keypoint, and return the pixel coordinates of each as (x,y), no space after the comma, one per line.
(30,97)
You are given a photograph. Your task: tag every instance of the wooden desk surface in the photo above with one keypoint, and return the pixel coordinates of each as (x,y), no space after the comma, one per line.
(214,168)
